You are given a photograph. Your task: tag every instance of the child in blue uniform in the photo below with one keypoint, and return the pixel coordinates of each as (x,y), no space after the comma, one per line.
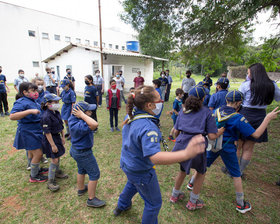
(29,132)
(40,84)
(141,150)
(193,119)
(53,140)
(91,95)
(68,98)
(234,125)
(207,91)
(81,128)
(218,99)
(177,105)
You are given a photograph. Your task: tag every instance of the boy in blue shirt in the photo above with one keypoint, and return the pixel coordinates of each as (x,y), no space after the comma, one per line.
(3,94)
(218,99)
(235,124)
(81,130)
(157,84)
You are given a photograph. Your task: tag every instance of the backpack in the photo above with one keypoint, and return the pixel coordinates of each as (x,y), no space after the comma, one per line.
(217,144)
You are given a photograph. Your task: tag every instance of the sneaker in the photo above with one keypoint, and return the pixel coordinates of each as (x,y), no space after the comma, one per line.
(191,206)
(174,199)
(190,186)
(39,178)
(99,105)
(28,167)
(117,129)
(52,185)
(95,202)
(118,211)
(112,129)
(44,160)
(7,113)
(59,174)
(243,209)
(43,170)
(2,114)
(82,192)
(170,137)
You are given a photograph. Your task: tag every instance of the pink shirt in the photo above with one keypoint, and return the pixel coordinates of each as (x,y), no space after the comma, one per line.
(138,81)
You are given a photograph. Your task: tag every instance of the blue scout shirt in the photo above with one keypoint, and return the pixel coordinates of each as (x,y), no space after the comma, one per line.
(90,94)
(2,83)
(68,96)
(81,135)
(164,81)
(25,103)
(218,99)
(207,97)
(141,139)
(234,125)
(159,91)
(177,105)
(51,122)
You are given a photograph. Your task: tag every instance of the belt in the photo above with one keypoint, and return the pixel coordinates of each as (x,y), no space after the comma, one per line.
(135,171)
(81,150)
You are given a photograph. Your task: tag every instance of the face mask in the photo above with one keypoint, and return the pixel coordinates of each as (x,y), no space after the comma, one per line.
(162,76)
(52,72)
(87,82)
(139,75)
(65,88)
(114,86)
(248,77)
(21,75)
(54,106)
(34,96)
(69,73)
(117,76)
(158,108)
(40,88)
(98,74)
(188,76)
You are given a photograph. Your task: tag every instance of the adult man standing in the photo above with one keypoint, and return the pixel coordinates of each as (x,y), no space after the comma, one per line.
(168,88)
(139,80)
(20,79)
(3,94)
(70,77)
(99,84)
(187,84)
(49,80)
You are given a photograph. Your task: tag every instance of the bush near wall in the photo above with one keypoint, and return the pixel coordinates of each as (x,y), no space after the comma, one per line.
(237,72)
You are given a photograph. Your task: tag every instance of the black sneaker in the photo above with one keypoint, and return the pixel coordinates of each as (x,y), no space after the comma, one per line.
(39,178)
(43,170)
(118,211)
(82,192)
(95,202)
(245,208)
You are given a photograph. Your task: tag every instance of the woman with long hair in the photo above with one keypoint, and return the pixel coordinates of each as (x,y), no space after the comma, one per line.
(259,91)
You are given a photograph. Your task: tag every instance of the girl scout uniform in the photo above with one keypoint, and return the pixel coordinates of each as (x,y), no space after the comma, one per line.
(51,122)
(141,139)
(29,132)
(200,122)
(68,98)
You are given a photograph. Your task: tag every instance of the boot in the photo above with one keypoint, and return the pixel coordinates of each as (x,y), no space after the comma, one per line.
(52,185)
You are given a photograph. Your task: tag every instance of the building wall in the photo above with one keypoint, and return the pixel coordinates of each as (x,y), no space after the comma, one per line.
(19,50)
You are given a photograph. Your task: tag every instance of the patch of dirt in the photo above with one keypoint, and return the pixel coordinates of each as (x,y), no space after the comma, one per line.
(10,152)
(12,205)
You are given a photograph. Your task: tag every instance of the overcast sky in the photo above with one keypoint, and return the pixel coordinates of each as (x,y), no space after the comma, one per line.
(87,11)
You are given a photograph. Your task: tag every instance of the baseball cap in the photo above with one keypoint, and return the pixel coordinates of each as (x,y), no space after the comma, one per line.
(223,80)
(51,97)
(197,91)
(202,83)
(234,96)
(64,82)
(84,106)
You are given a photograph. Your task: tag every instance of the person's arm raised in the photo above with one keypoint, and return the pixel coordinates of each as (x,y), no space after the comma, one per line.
(195,147)
(90,122)
(22,114)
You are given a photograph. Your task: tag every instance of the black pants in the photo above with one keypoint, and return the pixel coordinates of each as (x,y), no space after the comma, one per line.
(94,116)
(99,88)
(114,112)
(3,99)
(51,89)
(168,87)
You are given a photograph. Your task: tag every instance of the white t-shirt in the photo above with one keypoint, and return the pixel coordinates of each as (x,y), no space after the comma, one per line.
(119,82)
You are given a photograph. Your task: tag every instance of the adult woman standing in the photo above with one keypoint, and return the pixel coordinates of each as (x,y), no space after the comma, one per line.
(259,91)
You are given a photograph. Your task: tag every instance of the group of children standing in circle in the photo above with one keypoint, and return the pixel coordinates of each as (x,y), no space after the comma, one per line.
(194,125)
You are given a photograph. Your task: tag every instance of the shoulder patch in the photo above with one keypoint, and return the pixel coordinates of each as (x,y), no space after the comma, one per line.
(45,126)
(152,133)
(242,119)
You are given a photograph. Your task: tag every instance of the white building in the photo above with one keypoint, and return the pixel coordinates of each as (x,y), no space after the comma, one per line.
(29,36)
(84,60)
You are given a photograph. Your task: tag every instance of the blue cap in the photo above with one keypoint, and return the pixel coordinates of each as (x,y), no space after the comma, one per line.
(202,83)
(234,96)
(64,82)
(84,106)
(197,91)
(51,97)
(223,80)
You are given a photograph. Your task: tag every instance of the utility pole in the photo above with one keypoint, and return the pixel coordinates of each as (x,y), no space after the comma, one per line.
(100,39)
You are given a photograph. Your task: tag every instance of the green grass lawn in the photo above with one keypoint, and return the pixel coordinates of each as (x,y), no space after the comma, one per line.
(24,202)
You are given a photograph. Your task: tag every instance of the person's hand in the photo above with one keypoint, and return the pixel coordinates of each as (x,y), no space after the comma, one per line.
(77,112)
(8,90)
(196,146)
(273,114)
(54,149)
(34,111)
(221,131)
(63,140)
(102,91)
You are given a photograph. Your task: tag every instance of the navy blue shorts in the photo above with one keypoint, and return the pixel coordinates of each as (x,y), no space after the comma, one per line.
(229,158)
(86,163)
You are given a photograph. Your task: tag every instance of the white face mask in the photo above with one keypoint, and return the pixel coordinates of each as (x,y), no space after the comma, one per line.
(54,106)
(158,108)
(97,74)
(21,75)
(40,88)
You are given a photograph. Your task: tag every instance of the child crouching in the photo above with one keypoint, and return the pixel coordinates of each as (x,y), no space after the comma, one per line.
(81,129)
